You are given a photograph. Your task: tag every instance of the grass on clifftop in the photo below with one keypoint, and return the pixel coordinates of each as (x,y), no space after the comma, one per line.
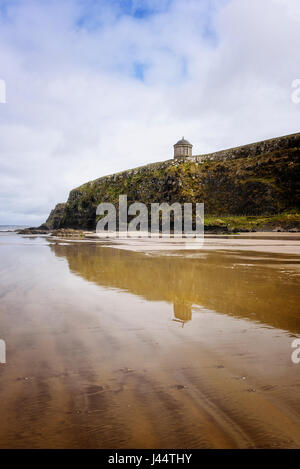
(284,221)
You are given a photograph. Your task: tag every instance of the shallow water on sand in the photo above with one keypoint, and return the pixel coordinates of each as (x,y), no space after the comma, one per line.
(108,348)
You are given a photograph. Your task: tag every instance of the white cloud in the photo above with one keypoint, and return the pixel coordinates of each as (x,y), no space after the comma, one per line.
(218,72)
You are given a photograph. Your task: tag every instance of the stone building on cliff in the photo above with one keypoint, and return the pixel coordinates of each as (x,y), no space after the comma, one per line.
(182,148)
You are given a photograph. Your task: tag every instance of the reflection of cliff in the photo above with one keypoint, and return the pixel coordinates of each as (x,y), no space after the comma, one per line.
(215,281)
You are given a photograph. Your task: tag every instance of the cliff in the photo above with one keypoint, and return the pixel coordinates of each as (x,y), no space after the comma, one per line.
(253,180)
(55,217)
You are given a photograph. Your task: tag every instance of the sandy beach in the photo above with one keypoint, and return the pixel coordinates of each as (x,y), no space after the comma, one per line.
(118,346)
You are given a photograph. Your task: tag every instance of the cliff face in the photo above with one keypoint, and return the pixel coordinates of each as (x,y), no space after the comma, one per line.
(256,179)
(55,217)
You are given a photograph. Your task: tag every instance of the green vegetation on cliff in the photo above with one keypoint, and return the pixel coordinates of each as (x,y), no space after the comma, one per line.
(233,224)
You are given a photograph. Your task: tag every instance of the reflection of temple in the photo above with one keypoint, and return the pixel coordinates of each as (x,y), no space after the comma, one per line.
(182,312)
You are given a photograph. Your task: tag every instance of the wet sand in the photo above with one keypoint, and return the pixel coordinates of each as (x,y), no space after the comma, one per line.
(114,348)
(280,243)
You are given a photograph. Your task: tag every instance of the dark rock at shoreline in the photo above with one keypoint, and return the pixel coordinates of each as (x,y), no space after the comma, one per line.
(216,229)
(67,233)
(33,230)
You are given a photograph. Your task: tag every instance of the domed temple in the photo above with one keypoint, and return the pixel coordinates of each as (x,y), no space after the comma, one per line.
(182,148)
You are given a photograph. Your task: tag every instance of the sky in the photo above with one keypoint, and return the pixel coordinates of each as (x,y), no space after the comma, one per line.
(94,87)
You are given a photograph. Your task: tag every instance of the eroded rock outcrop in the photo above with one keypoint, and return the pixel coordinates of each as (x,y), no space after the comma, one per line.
(54,220)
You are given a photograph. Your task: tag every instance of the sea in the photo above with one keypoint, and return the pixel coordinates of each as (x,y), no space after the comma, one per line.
(7,228)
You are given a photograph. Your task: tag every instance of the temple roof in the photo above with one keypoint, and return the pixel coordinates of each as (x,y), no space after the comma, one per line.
(183,142)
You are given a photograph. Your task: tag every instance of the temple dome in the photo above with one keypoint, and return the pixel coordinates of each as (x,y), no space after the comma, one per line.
(183,142)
